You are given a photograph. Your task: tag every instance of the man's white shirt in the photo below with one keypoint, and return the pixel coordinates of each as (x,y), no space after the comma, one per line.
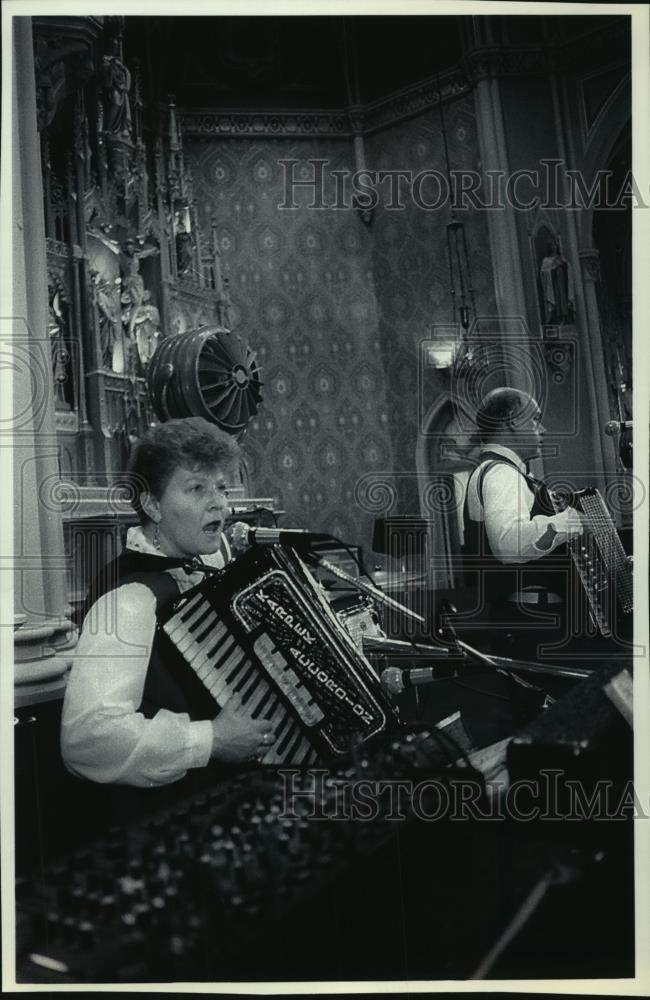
(514,535)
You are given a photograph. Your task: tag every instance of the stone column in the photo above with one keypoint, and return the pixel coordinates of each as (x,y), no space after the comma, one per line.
(43,634)
(505,250)
(604,445)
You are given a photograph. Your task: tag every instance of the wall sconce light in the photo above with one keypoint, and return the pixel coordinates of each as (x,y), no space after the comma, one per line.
(442,350)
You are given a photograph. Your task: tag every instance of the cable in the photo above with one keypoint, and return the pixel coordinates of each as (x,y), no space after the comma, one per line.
(554,876)
(476,690)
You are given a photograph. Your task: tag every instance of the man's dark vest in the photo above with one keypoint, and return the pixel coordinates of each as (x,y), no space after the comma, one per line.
(549,572)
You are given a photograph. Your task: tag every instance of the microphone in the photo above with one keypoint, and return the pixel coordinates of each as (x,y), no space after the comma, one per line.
(242,536)
(617,427)
(395,679)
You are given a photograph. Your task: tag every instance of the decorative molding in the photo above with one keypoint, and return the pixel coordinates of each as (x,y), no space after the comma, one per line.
(328,123)
(486,63)
(43,649)
(67,423)
(414,100)
(481,63)
(205,124)
(184,288)
(55,248)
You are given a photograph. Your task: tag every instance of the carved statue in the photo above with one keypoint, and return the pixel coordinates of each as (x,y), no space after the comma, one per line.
(132,284)
(147,330)
(184,249)
(557,286)
(58,331)
(117,83)
(106,294)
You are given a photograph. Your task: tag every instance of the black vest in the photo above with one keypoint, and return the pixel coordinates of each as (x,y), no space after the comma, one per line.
(170,683)
(498,580)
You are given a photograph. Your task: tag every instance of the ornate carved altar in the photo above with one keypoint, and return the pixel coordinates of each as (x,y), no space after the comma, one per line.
(128,264)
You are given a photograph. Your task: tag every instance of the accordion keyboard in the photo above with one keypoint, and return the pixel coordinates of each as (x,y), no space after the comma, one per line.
(225,669)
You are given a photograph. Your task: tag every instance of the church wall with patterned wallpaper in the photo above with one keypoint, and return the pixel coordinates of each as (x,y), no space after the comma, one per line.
(335,308)
(303,296)
(409,264)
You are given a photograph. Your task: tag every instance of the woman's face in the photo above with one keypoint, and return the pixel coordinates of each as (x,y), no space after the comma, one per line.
(192,510)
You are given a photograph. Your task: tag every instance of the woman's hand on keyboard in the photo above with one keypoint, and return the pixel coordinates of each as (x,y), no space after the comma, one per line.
(236,737)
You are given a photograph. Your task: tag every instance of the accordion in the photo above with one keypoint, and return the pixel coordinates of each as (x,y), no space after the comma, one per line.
(263,628)
(600,560)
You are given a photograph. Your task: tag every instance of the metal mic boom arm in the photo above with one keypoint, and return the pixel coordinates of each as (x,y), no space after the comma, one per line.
(365,588)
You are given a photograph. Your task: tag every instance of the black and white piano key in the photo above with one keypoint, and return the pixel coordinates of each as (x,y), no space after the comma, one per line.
(231,666)
(195,653)
(243,679)
(261,700)
(195,647)
(204,630)
(181,621)
(217,657)
(209,652)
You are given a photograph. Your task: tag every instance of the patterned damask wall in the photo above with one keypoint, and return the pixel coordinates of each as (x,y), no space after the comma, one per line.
(335,309)
(410,270)
(303,296)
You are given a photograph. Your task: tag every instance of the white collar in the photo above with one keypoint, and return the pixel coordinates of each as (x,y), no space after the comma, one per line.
(500,449)
(138,541)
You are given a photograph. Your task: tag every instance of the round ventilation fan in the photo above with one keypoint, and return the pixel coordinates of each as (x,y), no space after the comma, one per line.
(208,373)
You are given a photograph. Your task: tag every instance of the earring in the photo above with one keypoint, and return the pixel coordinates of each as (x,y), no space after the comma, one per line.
(156,536)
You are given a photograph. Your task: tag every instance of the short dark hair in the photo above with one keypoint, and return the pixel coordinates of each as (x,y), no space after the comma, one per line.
(185,443)
(503,409)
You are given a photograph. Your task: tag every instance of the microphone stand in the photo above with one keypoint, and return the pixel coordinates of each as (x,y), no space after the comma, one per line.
(365,588)
(501,667)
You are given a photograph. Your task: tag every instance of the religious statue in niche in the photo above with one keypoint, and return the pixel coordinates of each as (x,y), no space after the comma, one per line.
(556,281)
(106,297)
(184,249)
(117,83)
(132,282)
(147,331)
(58,329)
